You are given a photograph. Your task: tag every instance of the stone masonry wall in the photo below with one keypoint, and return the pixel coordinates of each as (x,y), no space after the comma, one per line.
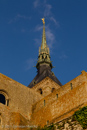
(46,85)
(81,79)
(68,101)
(20,97)
(68,124)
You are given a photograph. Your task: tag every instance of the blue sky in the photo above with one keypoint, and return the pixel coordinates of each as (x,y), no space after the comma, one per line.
(21,35)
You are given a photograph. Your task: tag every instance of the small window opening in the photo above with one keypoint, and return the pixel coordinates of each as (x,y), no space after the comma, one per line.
(46,57)
(57,96)
(71,86)
(42,57)
(44,102)
(34,82)
(2,99)
(47,122)
(53,90)
(7,102)
(52,74)
(40,91)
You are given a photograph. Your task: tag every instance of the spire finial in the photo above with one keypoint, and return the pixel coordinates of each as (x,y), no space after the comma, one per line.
(43,20)
(44,44)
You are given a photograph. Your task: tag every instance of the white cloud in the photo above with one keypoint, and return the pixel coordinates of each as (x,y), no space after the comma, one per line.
(38,28)
(37,41)
(43,5)
(17,17)
(49,36)
(22,16)
(63,56)
(23,30)
(30,63)
(54,20)
(36,3)
(47,11)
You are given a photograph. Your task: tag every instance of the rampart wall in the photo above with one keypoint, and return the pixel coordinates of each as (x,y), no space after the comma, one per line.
(20,97)
(59,104)
(61,91)
(67,102)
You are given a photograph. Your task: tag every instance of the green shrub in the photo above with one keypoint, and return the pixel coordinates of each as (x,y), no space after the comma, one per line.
(81,116)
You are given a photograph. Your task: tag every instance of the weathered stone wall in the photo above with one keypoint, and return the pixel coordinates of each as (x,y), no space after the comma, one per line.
(13,120)
(46,85)
(75,82)
(81,79)
(67,103)
(68,124)
(48,107)
(20,97)
(5,116)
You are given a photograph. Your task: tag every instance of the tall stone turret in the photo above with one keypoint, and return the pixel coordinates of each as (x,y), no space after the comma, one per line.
(44,64)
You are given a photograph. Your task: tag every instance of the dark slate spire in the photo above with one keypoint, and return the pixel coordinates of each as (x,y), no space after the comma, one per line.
(44,64)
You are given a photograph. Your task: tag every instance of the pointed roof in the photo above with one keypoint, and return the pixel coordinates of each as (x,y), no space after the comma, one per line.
(44,44)
(45,73)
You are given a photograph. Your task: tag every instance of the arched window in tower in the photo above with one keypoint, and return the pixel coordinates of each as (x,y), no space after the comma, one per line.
(40,91)
(2,99)
(42,57)
(46,57)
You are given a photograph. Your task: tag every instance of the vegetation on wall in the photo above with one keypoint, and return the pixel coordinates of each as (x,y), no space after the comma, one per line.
(81,116)
(51,127)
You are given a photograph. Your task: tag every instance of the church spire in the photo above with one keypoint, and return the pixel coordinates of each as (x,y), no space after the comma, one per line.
(44,64)
(44,44)
(44,54)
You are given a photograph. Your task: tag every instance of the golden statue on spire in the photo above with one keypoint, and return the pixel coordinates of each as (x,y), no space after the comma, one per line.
(43,20)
